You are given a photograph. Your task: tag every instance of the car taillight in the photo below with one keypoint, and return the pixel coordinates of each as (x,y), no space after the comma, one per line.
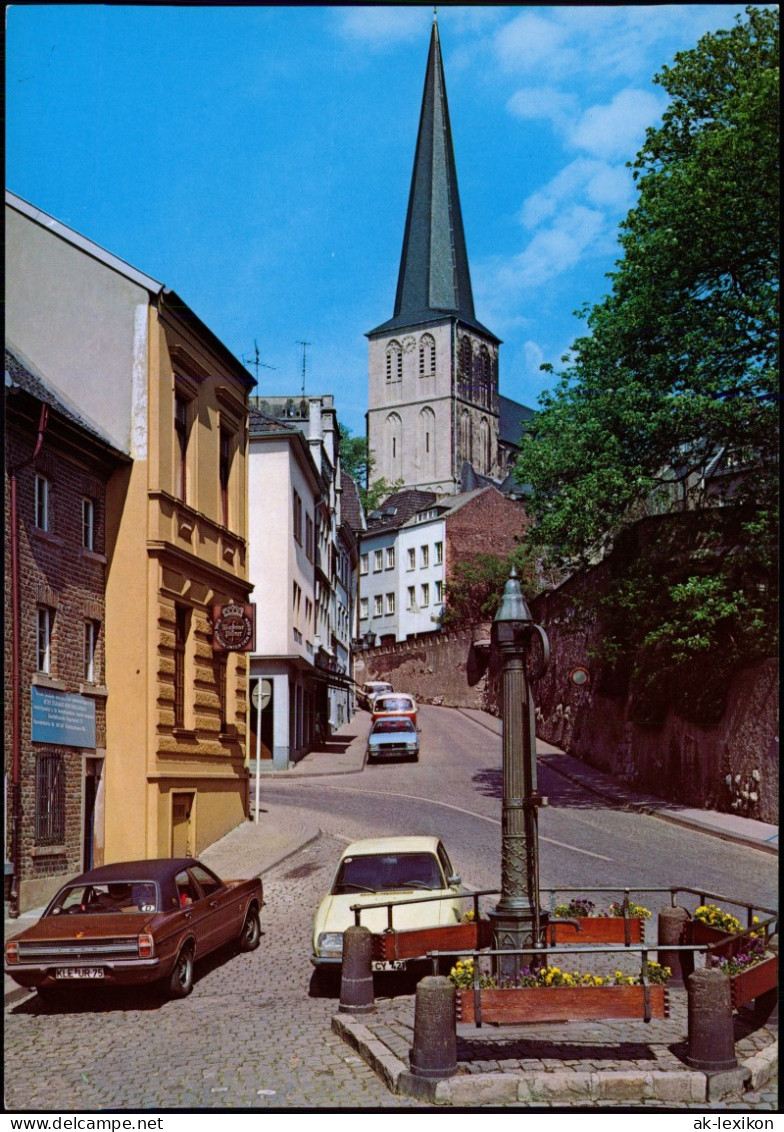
(12,952)
(146,946)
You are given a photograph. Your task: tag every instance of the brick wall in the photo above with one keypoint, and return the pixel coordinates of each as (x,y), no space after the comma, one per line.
(488,524)
(54,570)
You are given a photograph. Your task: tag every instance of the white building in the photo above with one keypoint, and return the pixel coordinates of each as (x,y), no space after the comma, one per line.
(301,563)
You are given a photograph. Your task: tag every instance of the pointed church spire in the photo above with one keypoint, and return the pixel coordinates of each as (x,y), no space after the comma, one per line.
(434,278)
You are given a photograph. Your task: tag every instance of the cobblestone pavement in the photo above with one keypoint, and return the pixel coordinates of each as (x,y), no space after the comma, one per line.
(250,1036)
(257,1034)
(560,1058)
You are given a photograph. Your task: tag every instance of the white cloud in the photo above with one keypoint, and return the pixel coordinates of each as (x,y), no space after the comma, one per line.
(555,106)
(534,356)
(553,250)
(594,182)
(617,129)
(382,25)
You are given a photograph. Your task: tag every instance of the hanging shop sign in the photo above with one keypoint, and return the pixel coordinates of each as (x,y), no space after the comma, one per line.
(233,627)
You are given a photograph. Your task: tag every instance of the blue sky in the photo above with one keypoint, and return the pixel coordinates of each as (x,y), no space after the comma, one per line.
(257,160)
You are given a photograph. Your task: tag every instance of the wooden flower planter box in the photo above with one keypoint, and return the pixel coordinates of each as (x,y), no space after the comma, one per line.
(699,933)
(598,929)
(561,1004)
(388,946)
(754,981)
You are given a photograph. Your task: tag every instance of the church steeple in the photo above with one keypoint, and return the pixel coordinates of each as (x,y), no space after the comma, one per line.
(434,278)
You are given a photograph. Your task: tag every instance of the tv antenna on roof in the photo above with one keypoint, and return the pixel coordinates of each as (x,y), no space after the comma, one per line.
(255,360)
(304,346)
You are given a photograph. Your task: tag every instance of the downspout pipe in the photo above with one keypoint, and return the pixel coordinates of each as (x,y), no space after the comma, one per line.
(16,676)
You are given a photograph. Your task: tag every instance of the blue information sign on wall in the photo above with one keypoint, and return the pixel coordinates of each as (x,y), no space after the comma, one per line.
(62,718)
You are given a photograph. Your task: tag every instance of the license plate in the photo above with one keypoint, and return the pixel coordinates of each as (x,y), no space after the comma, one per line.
(79,973)
(388,965)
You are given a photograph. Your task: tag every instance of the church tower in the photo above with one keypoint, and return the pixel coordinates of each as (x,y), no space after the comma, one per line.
(433,368)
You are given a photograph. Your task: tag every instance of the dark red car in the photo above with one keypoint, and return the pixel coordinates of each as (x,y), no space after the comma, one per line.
(135,922)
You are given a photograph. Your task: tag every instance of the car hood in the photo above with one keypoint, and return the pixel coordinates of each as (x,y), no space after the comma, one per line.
(335,915)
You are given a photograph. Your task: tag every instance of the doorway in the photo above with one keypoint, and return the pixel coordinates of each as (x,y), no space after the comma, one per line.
(92,828)
(182,831)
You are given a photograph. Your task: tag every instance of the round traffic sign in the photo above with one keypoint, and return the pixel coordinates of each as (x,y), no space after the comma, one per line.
(261,694)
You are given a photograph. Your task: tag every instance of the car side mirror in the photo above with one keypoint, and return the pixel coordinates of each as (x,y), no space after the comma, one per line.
(454,880)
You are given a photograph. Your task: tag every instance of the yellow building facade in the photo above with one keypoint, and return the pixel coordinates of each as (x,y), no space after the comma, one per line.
(161,386)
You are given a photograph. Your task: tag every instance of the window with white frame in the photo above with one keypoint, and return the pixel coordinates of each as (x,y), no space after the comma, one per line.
(425,595)
(439,593)
(412,597)
(50,798)
(363,563)
(363,608)
(390,557)
(90,638)
(390,604)
(378,605)
(424,556)
(88,524)
(412,558)
(378,560)
(42,503)
(44,639)
(439,549)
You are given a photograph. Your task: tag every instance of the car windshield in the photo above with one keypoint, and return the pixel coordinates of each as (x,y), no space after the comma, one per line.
(385,872)
(111,897)
(393,703)
(393,726)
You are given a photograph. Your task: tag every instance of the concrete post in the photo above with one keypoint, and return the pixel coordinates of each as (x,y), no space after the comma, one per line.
(434,1053)
(672,930)
(711,1036)
(356,982)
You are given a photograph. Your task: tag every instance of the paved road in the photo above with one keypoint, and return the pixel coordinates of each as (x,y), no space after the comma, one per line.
(255,1034)
(251,1035)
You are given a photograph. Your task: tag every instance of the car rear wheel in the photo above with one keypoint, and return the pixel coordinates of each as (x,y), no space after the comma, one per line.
(250,936)
(181,978)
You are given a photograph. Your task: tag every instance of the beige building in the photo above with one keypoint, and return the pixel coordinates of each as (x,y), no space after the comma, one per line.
(144,369)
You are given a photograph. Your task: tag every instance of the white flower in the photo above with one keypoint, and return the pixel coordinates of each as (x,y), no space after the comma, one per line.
(753,796)
(737,778)
(728,780)
(755,774)
(744,793)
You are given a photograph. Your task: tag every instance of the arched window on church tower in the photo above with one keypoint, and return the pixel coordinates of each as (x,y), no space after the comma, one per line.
(466,360)
(485,453)
(485,377)
(394,446)
(394,361)
(427,355)
(464,437)
(426,443)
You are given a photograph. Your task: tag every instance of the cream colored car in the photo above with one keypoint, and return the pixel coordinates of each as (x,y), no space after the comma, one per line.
(392,869)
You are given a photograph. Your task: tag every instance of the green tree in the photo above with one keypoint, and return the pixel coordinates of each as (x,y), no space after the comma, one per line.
(680,363)
(475,587)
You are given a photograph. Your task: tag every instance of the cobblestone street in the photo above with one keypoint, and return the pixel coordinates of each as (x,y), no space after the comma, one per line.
(249,1036)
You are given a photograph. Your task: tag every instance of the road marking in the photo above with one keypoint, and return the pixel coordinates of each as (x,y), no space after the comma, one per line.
(468,813)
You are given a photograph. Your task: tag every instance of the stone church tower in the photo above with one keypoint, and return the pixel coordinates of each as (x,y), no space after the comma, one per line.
(433,369)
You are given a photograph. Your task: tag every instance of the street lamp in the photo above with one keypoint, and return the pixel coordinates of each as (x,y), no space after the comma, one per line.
(517,920)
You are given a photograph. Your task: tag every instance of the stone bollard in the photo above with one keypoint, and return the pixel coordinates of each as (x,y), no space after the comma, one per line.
(672,930)
(356,981)
(711,1035)
(434,1054)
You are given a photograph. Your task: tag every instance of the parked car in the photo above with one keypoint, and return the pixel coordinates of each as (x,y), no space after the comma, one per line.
(378,869)
(394,703)
(393,735)
(135,923)
(369,691)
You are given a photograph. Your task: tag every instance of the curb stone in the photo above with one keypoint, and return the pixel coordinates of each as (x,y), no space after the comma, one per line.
(685,1086)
